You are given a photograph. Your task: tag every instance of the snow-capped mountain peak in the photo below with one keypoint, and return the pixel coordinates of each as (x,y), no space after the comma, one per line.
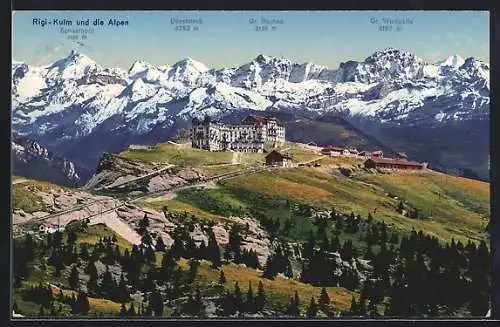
(190,64)
(138,66)
(186,71)
(454,61)
(472,62)
(261,58)
(391,53)
(74,66)
(75,98)
(389,64)
(74,58)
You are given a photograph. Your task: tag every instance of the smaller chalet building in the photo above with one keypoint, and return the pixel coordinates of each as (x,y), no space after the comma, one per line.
(393,164)
(46,227)
(334,151)
(378,154)
(277,159)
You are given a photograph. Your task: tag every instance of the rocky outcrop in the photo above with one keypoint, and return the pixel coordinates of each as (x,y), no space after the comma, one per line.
(30,159)
(117,174)
(159,225)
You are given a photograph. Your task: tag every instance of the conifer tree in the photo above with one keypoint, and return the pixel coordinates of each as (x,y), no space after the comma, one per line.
(190,248)
(348,251)
(213,250)
(294,307)
(73,278)
(228,304)
(118,253)
(261,298)
(198,303)
(92,284)
(149,255)
(107,283)
(71,237)
(291,306)
(334,244)
(167,265)
(288,269)
(250,302)
(57,239)
(160,245)
(149,281)
(143,224)
(122,292)
(29,248)
(354,310)
(193,269)
(270,269)
(309,247)
(312,309)
(324,301)
(297,302)
(177,248)
(176,281)
(238,298)
(82,303)
(156,303)
(234,244)
(222,277)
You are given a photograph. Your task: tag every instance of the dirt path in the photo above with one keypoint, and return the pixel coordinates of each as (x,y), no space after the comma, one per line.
(173,194)
(126,181)
(111,220)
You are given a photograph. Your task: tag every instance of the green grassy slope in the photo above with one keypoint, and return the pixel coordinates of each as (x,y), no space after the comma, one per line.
(451,207)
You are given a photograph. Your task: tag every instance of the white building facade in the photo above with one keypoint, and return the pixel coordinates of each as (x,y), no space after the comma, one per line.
(248,136)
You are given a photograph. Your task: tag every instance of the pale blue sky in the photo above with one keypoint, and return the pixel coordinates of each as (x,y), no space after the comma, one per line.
(226,39)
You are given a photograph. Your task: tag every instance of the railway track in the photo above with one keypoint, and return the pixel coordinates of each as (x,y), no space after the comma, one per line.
(127,200)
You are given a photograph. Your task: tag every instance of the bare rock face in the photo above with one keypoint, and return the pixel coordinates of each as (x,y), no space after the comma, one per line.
(160,183)
(31,159)
(117,173)
(171,178)
(111,168)
(221,234)
(115,270)
(254,238)
(158,224)
(191,174)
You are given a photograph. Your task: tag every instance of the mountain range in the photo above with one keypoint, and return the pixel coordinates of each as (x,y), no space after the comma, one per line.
(437,112)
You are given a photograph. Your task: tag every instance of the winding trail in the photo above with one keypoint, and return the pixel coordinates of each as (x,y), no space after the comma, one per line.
(207,182)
